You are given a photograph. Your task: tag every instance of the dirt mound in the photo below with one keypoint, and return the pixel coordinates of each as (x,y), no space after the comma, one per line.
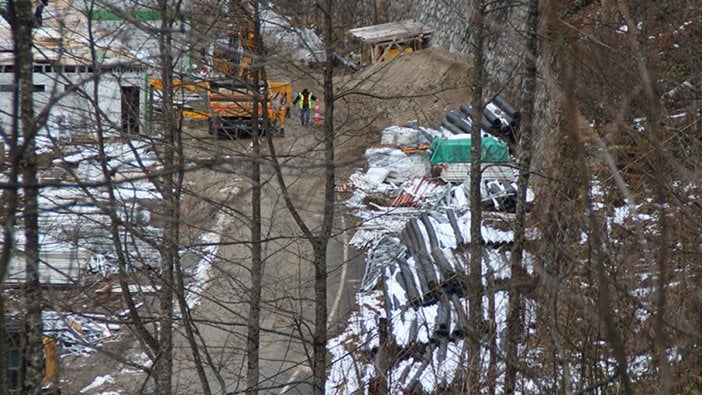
(414,87)
(431,71)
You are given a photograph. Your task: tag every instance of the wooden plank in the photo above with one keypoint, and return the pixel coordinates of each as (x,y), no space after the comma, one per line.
(392,31)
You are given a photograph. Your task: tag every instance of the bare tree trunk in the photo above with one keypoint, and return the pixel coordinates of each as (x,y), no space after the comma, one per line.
(190,333)
(562,367)
(163,366)
(320,241)
(319,369)
(254,319)
(174,135)
(519,277)
(492,334)
(22,22)
(657,165)
(191,330)
(475,286)
(9,196)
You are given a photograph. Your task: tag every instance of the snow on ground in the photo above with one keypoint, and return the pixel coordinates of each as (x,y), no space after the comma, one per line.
(429,326)
(71,209)
(624,213)
(97,383)
(419,239)
(201,273)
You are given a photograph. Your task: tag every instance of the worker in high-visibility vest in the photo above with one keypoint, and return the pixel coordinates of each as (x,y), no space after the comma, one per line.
(304,101)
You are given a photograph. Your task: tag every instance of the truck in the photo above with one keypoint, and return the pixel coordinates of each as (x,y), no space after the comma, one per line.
(228,96)
(231,107)
(234,87)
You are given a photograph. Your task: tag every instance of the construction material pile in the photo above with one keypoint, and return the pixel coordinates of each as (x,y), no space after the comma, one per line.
(79,334)
(416,231)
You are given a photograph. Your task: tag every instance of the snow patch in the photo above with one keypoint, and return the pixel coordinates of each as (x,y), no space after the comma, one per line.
(97,383)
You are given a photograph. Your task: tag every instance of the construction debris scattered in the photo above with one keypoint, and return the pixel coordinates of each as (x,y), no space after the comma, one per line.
(414,208)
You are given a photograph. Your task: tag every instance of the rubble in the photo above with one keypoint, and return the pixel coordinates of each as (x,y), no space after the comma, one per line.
(80,334)
(416,260)
(77,245)
(404,136)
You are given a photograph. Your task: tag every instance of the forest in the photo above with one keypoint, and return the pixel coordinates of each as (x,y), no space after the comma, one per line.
(488,197)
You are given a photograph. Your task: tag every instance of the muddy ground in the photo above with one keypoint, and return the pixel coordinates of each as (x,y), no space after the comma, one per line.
(419,87)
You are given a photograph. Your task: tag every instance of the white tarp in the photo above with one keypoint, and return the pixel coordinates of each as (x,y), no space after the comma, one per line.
(397,135)
(401,166)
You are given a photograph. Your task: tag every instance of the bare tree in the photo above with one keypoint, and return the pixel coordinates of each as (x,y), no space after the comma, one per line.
(259,106)
(520,280)
(475,285)
(22,21)
(586,264)
(10,205)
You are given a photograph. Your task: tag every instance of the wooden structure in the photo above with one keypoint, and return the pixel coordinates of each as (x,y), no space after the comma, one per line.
(384,42)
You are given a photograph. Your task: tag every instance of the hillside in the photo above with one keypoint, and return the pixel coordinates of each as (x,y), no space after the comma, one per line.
(594,290)
(606,294)
(419,87)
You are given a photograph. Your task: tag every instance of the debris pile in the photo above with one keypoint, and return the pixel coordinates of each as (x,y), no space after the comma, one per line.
(414,286)
(414,152)
(74,232)
(79,334)
(76,240)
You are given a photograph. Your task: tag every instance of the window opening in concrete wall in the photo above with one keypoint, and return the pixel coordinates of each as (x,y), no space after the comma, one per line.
(130,109)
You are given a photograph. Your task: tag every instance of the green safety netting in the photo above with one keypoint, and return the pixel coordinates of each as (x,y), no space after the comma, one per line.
(458,150)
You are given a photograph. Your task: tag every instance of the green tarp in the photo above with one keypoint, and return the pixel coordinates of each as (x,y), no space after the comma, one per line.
(138,15)
(458,150)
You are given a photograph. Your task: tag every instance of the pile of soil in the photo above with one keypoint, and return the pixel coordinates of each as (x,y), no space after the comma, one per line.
(418,87)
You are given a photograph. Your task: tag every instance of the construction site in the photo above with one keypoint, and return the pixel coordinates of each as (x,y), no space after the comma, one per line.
(243,188)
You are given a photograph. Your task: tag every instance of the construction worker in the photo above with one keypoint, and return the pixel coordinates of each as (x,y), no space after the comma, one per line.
(304,101)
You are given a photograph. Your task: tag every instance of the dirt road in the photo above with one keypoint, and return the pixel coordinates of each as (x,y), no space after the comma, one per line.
(288,308)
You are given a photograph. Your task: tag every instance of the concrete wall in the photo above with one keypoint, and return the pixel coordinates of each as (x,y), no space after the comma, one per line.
(75,111)
(504,53)
(451,21)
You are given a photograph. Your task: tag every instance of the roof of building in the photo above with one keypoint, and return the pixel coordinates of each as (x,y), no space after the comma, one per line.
(63,38)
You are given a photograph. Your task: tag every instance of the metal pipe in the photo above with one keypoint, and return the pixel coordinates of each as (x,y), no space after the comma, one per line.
(515,115)
(459,120)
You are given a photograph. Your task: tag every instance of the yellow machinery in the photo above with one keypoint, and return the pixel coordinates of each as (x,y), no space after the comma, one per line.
(227,102)
(231,99)
(228,105)
(187,95)
(231,105)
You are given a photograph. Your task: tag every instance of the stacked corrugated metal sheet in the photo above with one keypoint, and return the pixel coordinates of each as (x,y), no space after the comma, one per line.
(415,279)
